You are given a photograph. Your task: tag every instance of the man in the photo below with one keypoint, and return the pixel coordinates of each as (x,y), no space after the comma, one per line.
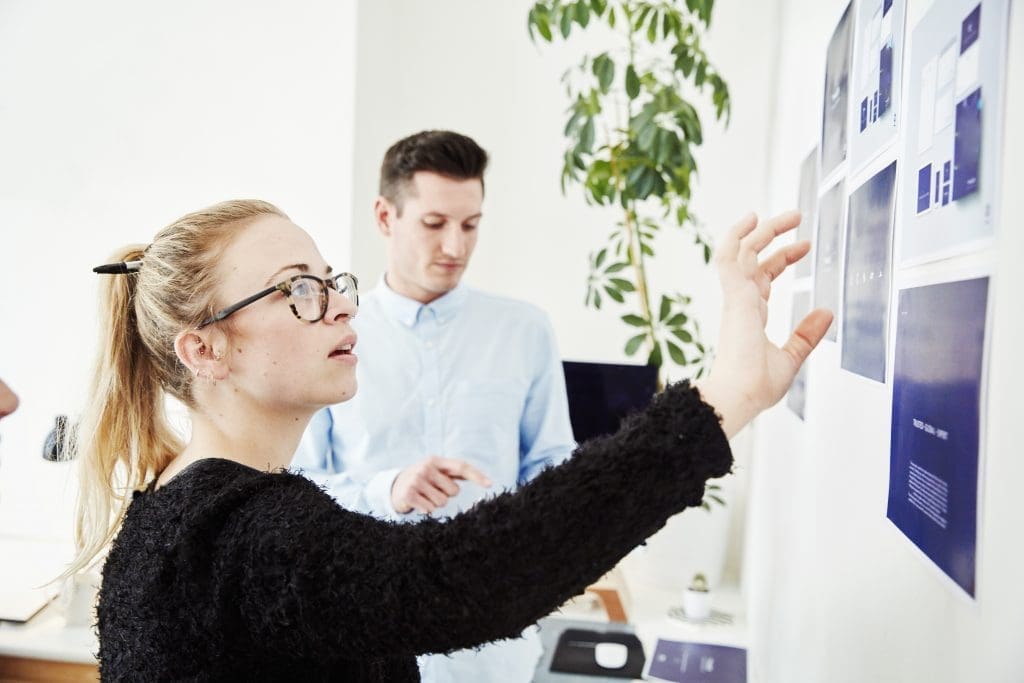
(460,391)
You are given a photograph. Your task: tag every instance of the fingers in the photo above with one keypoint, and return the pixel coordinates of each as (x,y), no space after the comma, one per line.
(442,482)
(773,227)
(460,469)
(807,335)
(420,503)
(775,264)
(730,246)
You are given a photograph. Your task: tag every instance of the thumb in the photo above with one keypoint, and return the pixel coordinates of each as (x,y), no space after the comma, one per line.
(807,334)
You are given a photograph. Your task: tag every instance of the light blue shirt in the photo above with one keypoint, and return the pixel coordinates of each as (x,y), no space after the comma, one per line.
(471,376)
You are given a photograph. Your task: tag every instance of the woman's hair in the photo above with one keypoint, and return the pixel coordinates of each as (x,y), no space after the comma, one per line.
(124,438)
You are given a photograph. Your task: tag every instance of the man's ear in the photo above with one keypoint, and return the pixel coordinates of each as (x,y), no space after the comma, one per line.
(203,354)
(384,212)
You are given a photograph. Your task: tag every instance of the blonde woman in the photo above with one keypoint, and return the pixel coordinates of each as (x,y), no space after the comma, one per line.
(223,565)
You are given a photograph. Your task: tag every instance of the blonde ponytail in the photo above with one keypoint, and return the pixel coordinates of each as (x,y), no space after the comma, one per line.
(124,438)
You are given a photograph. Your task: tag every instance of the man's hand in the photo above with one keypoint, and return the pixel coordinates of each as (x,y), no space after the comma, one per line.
(429,484)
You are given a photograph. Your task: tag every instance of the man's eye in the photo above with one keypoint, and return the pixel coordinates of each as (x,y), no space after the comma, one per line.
(434,224)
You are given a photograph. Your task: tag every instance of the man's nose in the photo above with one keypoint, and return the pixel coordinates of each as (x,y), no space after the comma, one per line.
(453,243)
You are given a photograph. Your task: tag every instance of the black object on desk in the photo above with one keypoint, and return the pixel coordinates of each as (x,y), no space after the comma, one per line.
(574,653)
(601,394)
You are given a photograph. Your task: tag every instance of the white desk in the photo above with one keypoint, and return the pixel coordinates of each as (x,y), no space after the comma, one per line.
(45,649)
(648,615)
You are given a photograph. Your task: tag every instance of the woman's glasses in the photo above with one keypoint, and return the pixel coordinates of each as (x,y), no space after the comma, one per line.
(307,296)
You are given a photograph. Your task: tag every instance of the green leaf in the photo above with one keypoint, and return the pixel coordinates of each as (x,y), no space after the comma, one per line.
(676,320)
(655,357)
(646,250)
(604,69)
(707,254)
(600,258)
(634,343)
(614,293)
(634,320)
(597,300)
(616,267)
(582,13)
(652,29)
(598,6)
(587,136)
(566,22)
(623,285)
(611,18)
(666,306)
(716,499)
(632,82)
(544,27)
(677,353)
(683,335)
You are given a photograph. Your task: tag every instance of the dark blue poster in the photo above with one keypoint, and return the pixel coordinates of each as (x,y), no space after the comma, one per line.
(868,274)
(967,145)
(697,663)
(936,414)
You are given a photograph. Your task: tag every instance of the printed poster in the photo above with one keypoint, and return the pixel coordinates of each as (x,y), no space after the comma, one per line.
(868,274)
(954,129)
(936,423)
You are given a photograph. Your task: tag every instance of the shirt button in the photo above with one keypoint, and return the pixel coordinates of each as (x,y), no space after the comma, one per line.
(430,345)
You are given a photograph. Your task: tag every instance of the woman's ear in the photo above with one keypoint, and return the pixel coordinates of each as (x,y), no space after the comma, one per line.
(202,354)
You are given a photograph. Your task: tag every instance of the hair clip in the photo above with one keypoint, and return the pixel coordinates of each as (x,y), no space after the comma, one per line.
(121,268)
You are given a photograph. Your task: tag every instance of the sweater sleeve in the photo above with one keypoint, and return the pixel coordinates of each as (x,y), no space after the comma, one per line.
(316,578)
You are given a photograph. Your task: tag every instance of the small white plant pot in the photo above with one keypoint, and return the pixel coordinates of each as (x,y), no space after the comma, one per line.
(697,604)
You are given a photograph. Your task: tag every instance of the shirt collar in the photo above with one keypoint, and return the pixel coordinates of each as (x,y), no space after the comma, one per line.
(409,311)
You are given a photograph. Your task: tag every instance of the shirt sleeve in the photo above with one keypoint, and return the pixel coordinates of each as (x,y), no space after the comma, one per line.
(314,578)
(545,433)
(315,459)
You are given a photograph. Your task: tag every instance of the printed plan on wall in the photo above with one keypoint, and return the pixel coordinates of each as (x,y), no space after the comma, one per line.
(878,57)
(936,417)
(868,274)
(952,150)
(923,179)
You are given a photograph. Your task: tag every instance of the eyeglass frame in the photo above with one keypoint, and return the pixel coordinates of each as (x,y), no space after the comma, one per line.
(285,287)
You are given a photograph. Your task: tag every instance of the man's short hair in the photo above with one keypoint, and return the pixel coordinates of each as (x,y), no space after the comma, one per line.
(443,152)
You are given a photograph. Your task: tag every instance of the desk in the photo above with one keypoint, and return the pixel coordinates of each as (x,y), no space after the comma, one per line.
(648,617)
(45,649)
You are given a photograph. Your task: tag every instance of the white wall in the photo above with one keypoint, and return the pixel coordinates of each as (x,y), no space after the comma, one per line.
(470,66)
(116,118)
(835,592)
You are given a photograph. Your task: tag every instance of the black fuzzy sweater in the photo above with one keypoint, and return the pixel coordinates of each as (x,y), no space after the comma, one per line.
(231,573)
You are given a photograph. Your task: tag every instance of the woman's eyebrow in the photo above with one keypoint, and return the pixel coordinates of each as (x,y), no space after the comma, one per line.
(302,267)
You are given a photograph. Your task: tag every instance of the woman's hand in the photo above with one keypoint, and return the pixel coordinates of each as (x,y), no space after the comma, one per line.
(750,373)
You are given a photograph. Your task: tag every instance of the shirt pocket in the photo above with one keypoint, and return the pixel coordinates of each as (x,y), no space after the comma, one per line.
(482,425)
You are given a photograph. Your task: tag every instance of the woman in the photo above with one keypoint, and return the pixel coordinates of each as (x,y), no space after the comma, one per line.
(226,566)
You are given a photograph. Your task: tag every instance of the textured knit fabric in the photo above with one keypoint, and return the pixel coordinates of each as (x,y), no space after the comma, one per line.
(231,573)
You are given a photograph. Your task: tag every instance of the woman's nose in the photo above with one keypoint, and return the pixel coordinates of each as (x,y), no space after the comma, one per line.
(8,400)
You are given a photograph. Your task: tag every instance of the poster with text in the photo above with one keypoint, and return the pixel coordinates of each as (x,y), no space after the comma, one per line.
(834,107)
(877,64)
(828,252)
(683,662)
(936,422)
(954,129)
(796,399)
(868,274)
(808,205)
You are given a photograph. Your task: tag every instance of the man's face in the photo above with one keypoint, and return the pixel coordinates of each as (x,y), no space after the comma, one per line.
(429,244)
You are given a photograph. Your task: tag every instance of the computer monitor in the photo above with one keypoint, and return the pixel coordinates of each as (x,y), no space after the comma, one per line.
(601,394)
